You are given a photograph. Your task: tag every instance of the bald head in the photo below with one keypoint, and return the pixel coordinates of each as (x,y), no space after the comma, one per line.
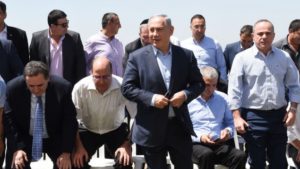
(102,73)
(101,62)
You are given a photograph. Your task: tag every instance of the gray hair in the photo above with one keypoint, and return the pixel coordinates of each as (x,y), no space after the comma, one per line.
(167,19)
(209,72)
(34,68)
(264,20)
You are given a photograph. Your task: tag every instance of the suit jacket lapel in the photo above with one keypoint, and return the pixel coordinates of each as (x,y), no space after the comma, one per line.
(174,69)
(27,103)
(157,72)
(46,45)
(66,55)
(9,33)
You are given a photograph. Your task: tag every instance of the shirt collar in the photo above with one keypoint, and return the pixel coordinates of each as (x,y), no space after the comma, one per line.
(198,42)
(61,39)
(5,29)
(257,52)
(157,51)
(203,100)
(36,97)
(106,37)
(4,34)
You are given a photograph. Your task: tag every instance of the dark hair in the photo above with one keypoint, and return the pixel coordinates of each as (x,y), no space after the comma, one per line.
(33,68)
(55,15)
(107,18)
(3,6)
(294,25)
(247,29)
(197,16)
(145,21)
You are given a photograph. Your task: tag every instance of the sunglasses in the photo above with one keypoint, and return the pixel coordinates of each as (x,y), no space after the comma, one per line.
(64,25)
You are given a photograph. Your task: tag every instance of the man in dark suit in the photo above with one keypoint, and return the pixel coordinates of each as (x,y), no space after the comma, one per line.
(59,117)
(162,78)
(143,40)
(10,64)
(16,35)
(245,42)
(59,48)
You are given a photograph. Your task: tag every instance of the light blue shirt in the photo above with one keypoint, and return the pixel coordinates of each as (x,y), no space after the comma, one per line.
(210,117)
(208,52)
(164,62)
(3,33)
(2,92)
(260,82)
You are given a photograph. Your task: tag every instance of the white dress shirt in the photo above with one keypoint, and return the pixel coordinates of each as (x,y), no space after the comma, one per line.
(101,113)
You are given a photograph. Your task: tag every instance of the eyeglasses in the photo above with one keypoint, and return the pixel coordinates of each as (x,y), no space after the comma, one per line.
(104,77)
(64,25)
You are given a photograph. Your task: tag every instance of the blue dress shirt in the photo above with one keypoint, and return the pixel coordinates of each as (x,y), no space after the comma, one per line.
(164,62)
(257,81)
(211,117)
(208,52)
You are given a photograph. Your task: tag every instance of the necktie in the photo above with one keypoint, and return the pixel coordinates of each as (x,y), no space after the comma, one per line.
(37,141)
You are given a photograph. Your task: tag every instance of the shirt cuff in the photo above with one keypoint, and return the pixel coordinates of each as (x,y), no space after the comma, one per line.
(185,94)
(153,100)
(196,139)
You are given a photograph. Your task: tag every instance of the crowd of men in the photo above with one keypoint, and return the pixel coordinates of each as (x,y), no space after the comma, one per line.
(67,99)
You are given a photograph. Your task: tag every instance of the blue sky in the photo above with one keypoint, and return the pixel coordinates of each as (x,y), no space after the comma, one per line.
(224,18)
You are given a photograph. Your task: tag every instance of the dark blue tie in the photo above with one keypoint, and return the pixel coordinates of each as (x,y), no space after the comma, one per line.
(37,141)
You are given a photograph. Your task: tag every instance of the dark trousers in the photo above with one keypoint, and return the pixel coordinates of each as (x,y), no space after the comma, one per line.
(179,145)
(113,140)
(266,136)
(293,152)
(206,156)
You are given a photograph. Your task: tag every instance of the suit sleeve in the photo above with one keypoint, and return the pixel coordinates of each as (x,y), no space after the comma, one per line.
(23,49)
(33,51)
(226,57)
(11,130)
(131,87)
(69,127)
(17,142)
(196,83)
(15,63)
(80,59)
(125,58)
